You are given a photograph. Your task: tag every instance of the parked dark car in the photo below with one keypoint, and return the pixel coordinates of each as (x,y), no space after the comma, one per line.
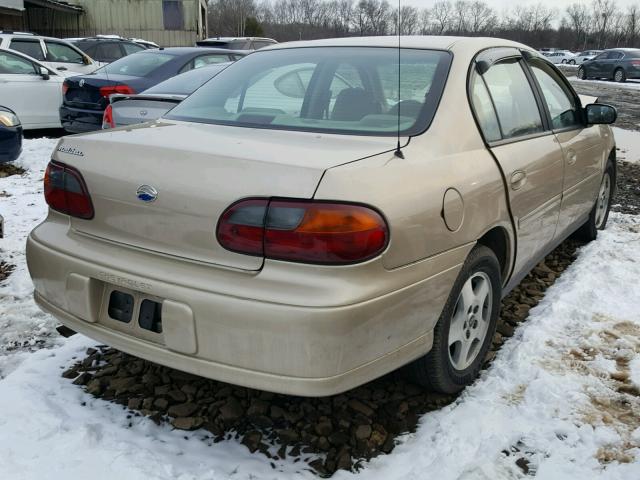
(157,100)
(86,96)
(105,49)
(618,64)
(10,135)
(234,43)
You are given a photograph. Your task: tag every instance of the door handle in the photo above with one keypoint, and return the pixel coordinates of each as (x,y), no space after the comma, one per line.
(571,157)
(518,179)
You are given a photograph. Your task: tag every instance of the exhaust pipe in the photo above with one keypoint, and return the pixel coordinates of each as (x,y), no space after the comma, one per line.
(66,332)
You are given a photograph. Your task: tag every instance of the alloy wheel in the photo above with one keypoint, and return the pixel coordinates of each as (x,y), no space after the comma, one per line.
(602,204)
(619,76)
(470,321)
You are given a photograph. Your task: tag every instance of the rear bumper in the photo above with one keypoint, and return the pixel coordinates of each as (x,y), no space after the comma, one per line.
(291,348)
(77,120)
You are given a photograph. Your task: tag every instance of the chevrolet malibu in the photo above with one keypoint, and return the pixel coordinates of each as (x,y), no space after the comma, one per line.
(322,213)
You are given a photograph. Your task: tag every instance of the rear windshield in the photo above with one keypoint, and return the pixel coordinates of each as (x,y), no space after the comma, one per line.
(351,90)
(137,65)
(188,82)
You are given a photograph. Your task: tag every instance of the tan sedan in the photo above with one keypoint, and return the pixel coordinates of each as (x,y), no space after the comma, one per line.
(302,225)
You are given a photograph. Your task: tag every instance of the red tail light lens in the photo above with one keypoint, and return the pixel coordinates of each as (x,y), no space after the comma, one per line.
(107,118)
(65,87)
(635,63)
(303,231)
(111,89)
(66,191)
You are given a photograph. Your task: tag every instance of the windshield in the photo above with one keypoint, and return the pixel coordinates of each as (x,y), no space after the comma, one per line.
(324,89)
(188,82)
(137,65)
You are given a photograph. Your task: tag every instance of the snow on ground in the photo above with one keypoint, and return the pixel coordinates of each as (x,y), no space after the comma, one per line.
(628,144)
(22,324)
(629,84)
(559,398)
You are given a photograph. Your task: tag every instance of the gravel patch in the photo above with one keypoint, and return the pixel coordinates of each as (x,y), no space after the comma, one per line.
(627,198)
(5,270)
(8,169)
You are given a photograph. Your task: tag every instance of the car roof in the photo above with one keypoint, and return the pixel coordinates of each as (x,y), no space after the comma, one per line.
(188,50)
(430,42)
(102,39)
(231,39)
(31,36)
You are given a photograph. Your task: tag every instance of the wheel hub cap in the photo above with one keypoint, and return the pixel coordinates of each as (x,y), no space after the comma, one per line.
(470,321)
(603,200)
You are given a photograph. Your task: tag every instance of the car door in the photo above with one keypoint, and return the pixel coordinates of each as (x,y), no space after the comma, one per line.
(582,147)
(62,57)
(23,89)
(516,130)
(596,67)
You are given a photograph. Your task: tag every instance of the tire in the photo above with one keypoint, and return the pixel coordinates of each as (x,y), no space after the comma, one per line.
(600,211)
(581,74)
(445,368)
(564,61)
(572,62)
(619,76)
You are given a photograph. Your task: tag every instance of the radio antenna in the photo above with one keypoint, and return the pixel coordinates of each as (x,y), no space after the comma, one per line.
(398,153)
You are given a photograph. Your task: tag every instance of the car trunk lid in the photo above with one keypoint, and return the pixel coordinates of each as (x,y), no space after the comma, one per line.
(132,109)
(83,91)
(198,171)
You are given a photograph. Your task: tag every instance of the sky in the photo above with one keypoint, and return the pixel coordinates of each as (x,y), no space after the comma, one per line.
(501,5)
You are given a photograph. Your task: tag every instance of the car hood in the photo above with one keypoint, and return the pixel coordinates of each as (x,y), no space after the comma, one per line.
(198,171)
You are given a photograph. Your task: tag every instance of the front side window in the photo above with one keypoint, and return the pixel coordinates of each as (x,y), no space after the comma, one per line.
(15,65)
(559,99)
(28,47)
(513,98)
(59,52)
(325,89)
(138,64)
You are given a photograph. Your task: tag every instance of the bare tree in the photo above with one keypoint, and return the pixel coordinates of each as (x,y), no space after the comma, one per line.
(442,13)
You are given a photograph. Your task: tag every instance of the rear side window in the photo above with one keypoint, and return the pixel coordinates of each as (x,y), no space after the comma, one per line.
(559,99)
(130,48)
(59,52)
(108,52)
(28,47)
(513,98)
(138,64)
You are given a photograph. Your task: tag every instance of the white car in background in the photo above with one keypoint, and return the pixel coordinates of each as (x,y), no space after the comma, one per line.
(56,54)
(31,89)
(586,55)
(561,56)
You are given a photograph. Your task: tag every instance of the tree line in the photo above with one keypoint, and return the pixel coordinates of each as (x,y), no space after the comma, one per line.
(599,24)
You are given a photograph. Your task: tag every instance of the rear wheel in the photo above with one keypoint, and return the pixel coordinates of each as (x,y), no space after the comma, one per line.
(564,61)
(572,62)
(600,212)
(582,74)
(619,75)
(464,331)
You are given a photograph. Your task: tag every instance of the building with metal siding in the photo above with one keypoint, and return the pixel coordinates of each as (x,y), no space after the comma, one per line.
(165,22)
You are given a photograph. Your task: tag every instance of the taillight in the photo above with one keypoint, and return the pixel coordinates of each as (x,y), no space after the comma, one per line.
(111,89)
(303,231)
(66,191)
(635,63)
(65,87)
(107,118)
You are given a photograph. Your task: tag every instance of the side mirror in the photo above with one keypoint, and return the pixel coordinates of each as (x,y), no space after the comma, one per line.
(44,73)
(86,60)
(600,114)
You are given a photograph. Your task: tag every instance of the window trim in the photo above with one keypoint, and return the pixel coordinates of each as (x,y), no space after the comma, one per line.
(508,53)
